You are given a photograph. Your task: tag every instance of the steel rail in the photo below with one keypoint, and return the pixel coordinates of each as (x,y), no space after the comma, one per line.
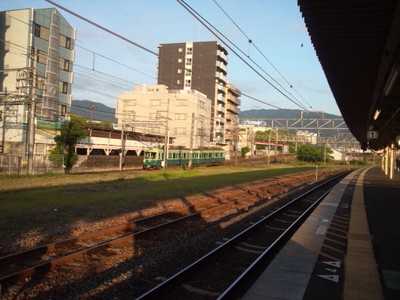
(158,290)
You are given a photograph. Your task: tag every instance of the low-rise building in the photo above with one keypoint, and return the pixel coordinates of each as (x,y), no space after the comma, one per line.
(155,109)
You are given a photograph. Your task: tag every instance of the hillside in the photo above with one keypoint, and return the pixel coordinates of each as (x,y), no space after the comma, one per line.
(283,114)
(102,112)
(91,110)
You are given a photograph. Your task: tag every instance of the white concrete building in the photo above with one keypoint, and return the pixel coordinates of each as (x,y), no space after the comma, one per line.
(180,114)
(36,58)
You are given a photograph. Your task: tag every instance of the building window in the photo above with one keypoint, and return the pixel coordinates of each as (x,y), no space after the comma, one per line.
(187,83)
(178,82)
(63,110)
(188,72)
(37,30)
(64,64)
(189,50)
(202,104)
(68,43)
(42,57)
(65,41)
(180,130)
(129,116)
(180,60)
(181,116)
(179,71)
(188,61)
(41,32)
(180,49)
(181,102)
(130,102)
(155,102)
(63,87)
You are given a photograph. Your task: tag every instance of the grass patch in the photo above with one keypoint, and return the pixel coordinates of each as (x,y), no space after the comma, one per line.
(34,203)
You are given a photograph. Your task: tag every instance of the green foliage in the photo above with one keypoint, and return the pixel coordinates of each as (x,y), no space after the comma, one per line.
(64,152)
(313,153)
(357,162)
(101,125)
(244,151)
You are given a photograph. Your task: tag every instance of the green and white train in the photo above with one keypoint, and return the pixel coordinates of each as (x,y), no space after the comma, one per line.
(154,157)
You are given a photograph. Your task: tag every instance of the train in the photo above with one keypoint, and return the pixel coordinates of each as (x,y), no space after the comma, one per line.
(154,157)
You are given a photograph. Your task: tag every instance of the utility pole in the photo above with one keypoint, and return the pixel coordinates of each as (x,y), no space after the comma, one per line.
(92,108)
(122,154)
(191,142)
(276,143)
(236,131)
(31,117)
(166,139)
(269,145)
(3,116)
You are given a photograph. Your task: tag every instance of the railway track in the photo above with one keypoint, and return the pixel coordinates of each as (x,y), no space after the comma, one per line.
(29,267)
(22,266)
(221,273)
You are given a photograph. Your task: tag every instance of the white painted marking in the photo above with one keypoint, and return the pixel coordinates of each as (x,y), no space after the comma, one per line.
(329,204)
(248,250)
(325,220)
(334,278)
(332,263)
(331,270)
(283,221)
(289,215)
(253,246)
(200,291)
(321,230)
(275,228)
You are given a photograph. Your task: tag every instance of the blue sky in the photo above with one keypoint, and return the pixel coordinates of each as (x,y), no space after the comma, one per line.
(107,66)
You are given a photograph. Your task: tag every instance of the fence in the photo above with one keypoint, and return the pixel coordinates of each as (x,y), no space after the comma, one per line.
(13,164)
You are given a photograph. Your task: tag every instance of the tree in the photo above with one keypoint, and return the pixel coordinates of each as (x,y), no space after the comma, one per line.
(313,153)
(64,152)
(245,150)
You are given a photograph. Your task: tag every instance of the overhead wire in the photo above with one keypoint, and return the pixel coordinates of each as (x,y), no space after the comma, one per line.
(84,87)
(207,25)
(120,36)
(251,42)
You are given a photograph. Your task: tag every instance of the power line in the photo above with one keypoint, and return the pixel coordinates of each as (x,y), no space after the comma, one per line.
(202,20)
(259,51)
(102,28)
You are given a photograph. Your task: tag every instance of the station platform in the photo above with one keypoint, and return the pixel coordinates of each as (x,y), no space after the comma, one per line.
(348,248)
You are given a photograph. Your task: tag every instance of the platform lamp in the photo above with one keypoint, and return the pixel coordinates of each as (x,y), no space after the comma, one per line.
(394,74)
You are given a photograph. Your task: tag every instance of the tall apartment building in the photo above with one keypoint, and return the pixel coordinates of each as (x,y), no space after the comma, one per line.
(155,109)
(200,66)
(232,118)
(36,59)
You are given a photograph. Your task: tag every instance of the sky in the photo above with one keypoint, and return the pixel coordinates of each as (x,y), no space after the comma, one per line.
(271,59)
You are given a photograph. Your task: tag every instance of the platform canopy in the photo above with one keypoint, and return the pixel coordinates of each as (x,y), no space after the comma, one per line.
(357,43)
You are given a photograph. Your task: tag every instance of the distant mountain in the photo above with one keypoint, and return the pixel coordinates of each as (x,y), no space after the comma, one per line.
(283,114)
(100,112)
(91,110)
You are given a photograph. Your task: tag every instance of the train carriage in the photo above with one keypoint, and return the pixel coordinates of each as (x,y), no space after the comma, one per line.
(154,157)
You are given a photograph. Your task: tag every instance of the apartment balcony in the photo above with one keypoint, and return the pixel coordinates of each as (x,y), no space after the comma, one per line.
(230,136)
(222,66)
(221,77)
(222,56)
(232,108)
(233,99)
(220,120)
(221,110)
